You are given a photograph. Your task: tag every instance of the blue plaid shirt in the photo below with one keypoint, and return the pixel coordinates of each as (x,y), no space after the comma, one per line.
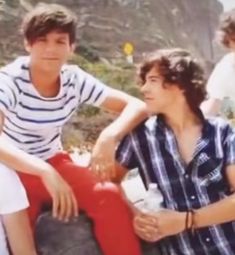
(152,147)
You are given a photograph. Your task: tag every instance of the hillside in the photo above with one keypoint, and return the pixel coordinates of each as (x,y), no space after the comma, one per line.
(105,25)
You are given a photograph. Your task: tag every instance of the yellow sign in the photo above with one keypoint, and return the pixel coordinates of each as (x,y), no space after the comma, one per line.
(128,48)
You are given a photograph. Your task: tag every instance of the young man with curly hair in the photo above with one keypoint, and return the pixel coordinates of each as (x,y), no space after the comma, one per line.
(190,157)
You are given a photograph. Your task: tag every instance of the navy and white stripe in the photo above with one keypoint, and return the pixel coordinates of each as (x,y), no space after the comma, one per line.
(152,147)
(33,122)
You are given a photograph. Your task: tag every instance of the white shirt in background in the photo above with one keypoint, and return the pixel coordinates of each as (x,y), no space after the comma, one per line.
(221,83)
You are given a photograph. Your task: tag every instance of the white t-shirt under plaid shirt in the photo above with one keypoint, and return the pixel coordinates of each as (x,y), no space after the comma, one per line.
(34,123)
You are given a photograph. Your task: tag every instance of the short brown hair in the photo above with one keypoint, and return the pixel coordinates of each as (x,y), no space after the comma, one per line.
(45,18)
(177,66)
(226,31)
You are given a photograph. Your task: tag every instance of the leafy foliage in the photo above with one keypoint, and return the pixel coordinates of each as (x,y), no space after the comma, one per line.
(119,76)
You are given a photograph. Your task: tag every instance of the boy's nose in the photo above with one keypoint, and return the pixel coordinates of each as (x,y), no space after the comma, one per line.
(49,47)
(143,88)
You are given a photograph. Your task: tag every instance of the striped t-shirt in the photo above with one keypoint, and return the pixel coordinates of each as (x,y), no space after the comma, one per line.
(32,122)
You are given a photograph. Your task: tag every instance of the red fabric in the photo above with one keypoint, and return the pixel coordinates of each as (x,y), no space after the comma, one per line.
(102,202)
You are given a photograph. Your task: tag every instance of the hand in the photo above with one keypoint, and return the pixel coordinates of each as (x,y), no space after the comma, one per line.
(103,157)
(64,201)
(156,226)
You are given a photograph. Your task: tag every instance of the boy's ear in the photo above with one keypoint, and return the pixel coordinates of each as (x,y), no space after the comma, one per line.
(27,46)
(73,46)
(72,49)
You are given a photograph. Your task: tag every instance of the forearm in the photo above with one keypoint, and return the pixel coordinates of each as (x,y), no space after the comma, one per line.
(131,115)
(170,222)
(18,160)
(216,213)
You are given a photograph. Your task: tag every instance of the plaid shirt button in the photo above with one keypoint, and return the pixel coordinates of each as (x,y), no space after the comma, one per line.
(208,239)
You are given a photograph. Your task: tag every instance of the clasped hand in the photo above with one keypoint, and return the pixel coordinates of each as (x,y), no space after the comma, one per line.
(103,157)
(155,226)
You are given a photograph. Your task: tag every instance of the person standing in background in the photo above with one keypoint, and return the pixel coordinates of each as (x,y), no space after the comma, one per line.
(221,83)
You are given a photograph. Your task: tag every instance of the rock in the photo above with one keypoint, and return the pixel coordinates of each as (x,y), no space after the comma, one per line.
(76,237)
(73,238)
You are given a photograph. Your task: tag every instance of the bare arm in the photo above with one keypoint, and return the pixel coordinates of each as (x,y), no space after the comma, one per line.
(219,212)
(19,233)
(19,160)
(169,222)
(131,111)
(64,202)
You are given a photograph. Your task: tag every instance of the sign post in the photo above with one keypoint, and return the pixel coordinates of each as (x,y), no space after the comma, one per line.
(128,49)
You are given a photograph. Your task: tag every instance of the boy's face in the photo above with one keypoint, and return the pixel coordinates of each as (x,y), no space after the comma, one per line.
(51,51)
(159,96)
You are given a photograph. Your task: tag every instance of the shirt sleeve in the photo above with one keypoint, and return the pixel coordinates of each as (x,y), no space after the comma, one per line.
(8,93)
(125,154)
(90,90)
(13,197)
(217,83)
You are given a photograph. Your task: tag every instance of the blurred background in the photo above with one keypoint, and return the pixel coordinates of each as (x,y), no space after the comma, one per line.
(105,25)
(113,36)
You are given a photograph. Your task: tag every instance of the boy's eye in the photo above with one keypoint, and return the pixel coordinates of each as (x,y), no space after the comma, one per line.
(41,39)
(154,80)
(61,42)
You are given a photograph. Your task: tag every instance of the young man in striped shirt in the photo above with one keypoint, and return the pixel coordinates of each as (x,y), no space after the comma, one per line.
(38,95)
(191,158)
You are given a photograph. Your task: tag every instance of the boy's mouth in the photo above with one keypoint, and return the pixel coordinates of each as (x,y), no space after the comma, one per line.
(50,59)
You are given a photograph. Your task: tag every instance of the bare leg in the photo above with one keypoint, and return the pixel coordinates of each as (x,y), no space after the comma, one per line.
(19,233)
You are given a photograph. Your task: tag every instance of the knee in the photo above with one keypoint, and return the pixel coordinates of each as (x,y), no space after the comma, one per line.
(108,194)
(106,201)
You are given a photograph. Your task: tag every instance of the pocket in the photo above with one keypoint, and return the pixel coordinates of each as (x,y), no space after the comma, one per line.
(210,173)
(213,177)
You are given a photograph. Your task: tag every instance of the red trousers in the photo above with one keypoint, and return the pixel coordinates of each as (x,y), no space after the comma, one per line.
(102,203)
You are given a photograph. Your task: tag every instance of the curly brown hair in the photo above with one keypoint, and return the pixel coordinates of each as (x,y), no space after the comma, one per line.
(226,30)
(177,67)
(45,18)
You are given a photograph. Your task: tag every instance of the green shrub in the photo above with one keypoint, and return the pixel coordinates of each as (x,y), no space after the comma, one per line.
(120,76)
